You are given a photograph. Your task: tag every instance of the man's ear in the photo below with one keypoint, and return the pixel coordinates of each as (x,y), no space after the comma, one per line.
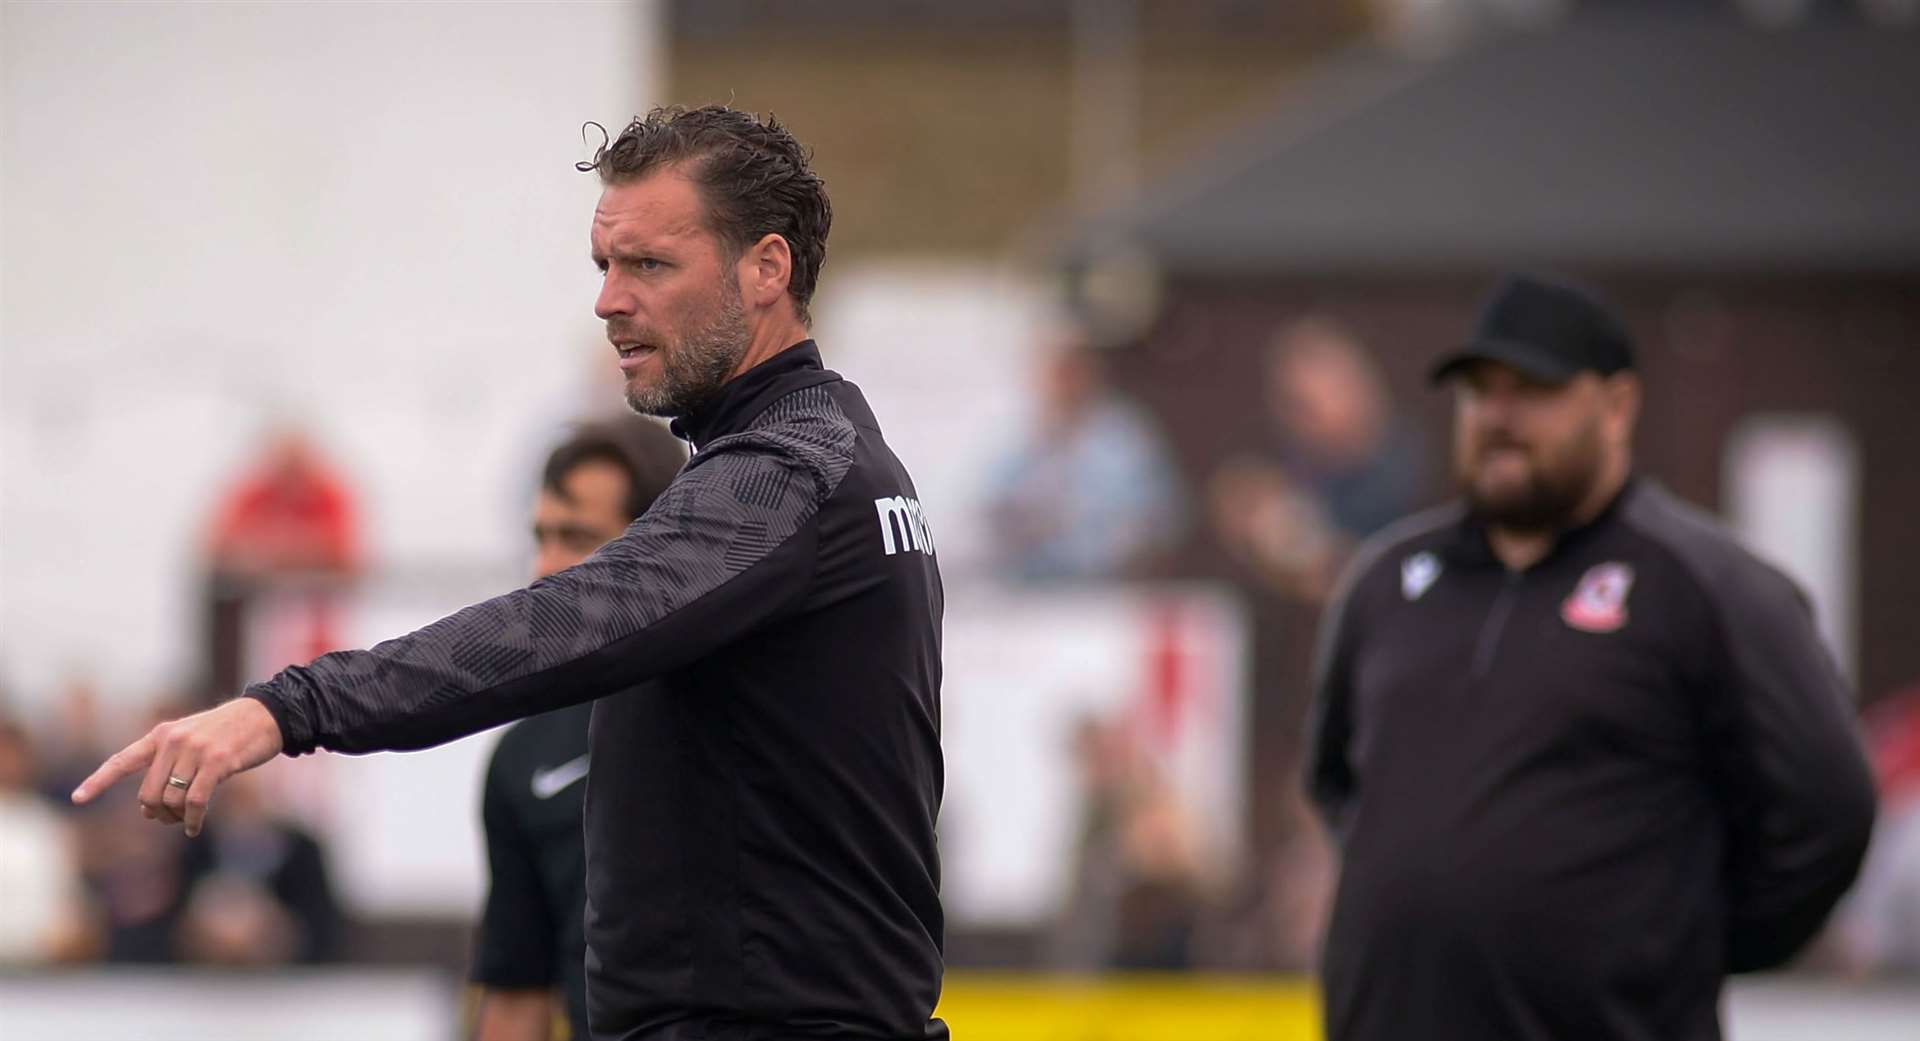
(765,268)
(1622,391)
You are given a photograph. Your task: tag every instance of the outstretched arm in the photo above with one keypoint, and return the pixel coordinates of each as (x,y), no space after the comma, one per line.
(727,547)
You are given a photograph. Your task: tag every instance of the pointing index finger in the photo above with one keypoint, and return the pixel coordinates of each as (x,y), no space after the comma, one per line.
(129,760)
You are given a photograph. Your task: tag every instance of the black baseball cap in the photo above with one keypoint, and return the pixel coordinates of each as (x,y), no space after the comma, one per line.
(1549,329)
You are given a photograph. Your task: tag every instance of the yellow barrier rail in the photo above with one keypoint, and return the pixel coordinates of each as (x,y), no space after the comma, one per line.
(1007,1007)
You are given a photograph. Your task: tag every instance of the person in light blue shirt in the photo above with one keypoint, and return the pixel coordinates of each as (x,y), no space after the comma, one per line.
(1089,492)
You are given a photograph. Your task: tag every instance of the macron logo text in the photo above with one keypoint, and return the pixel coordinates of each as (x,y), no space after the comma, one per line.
(903,526)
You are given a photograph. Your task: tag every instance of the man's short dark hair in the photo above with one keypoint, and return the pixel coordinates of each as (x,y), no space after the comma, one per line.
(641,448)
(754,177)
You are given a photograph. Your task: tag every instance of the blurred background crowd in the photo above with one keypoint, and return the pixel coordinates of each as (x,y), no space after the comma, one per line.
(1143,292)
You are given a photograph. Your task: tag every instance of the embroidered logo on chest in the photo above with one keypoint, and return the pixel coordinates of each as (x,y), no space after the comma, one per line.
(1599,602)
(1417,575)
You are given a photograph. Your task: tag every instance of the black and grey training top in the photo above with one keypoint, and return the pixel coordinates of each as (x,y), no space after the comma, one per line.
(760,819)
(1571,799)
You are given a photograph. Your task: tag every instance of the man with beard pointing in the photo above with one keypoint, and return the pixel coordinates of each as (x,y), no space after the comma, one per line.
(1583,754)
(760,817)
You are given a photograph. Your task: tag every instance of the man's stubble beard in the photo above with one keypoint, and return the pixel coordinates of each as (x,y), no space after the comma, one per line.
(693,371)
(1555,491)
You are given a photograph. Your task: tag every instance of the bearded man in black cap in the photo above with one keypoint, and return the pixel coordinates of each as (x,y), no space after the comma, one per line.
(1582,753)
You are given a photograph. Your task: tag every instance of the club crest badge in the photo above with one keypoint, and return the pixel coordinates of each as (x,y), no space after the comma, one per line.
(1599,602)
(1417,574)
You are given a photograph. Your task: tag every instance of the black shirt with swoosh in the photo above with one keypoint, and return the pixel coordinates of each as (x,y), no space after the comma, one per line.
(533,932)
(760,818)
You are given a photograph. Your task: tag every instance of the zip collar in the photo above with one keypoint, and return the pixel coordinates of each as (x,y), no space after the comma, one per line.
(744,397)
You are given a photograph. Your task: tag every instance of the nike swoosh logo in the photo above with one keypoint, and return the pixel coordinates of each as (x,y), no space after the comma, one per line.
(551,782)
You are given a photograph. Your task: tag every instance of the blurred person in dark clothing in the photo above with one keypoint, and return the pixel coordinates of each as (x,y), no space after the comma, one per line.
(1275,528)
(256,892)
(764,643)
(1276,917)
(258,889)
(1340,467)
(71,747)
(1089,492)
(1137,885)
(136,877)
(1339,435)
(532,943)
(1583,754)
(1166,887)
(1083,937)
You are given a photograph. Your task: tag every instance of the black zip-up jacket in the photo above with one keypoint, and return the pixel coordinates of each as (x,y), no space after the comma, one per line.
(760,818)
(1570,799)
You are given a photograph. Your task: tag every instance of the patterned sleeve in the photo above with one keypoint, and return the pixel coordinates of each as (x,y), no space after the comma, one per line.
(727,547)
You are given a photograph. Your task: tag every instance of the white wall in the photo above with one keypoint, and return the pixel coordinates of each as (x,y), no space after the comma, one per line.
(946,353)
(1792,491)
(360,218)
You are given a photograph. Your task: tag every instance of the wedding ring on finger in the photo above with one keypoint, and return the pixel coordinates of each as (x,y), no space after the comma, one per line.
(174,781)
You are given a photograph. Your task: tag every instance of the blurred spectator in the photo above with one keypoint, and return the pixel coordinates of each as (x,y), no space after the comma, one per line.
(290,514)
(259,894)
(41,915)
(1340,467)
(1879,924)
(1083,938)
(1277,529)
(1277,923)
(1090,492)
(290,517)
(71,747)
(1339,434)
(1161,902)
(1137,882)
(137,876)
(1301,894)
